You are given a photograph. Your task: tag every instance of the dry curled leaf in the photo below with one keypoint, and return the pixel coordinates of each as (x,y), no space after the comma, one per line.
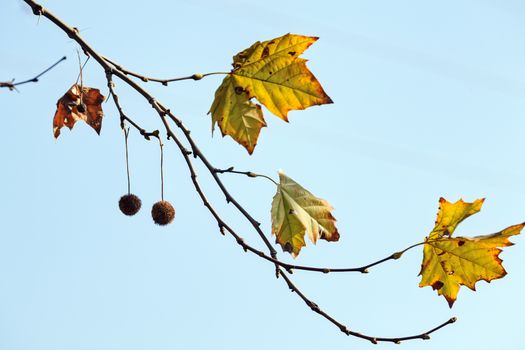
(79,103)
(449,262)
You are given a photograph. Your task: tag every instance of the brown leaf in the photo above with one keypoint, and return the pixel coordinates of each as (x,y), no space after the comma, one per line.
(79,103)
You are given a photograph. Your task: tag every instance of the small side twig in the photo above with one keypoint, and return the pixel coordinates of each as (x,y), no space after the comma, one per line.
(11,85)
(123,117)
(196,76)
(231,170)
(291,267)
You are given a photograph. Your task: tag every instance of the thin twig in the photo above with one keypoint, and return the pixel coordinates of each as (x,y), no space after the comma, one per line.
(112,69)
(196,76)
(11,85)
(123,117)
(291,267)
(247,173)
(397,340)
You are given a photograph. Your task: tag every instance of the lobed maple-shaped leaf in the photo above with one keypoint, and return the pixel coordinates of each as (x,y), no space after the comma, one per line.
(449,262)
(273,73)
(79,103)
(296,211)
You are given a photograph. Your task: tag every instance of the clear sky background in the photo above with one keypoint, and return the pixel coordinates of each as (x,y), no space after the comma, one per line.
(429,102)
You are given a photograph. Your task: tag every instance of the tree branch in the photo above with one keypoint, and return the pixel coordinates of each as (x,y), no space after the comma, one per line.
(196,76)
(164,113)
(123,117)
(397,340)
(247,173)
(11,85)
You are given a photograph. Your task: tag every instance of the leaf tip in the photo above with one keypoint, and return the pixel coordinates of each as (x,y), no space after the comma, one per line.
(250,148)
(450,301)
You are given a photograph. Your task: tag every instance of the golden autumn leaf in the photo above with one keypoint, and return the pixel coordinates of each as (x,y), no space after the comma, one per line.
(296,211)
(79,103)
(241,119)
(449,262)
(273,73)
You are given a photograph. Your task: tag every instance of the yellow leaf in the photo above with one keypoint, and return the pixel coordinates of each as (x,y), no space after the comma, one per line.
(236,115)
(294,211)
(271,72)
(451,214)
(449,262)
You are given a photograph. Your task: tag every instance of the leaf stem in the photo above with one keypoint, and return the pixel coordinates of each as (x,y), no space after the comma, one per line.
(81,68)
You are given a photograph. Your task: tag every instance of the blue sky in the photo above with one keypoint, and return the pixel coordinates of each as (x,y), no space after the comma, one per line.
(429,102)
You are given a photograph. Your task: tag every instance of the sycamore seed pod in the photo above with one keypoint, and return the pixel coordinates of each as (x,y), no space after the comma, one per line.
(162,213)
(129,204)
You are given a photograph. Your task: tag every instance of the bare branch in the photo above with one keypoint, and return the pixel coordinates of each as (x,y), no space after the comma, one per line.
(11,85)
(112,69)
(397,340)
(196,76)
(247,173)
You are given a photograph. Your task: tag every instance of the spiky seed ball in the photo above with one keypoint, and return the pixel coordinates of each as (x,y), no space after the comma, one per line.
(129,204)
(162,213)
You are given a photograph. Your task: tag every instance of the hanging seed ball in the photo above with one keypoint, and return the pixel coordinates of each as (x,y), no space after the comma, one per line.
(162,213)
(129,204)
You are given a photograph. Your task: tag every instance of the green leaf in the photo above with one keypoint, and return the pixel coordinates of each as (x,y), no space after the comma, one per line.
(296,211)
